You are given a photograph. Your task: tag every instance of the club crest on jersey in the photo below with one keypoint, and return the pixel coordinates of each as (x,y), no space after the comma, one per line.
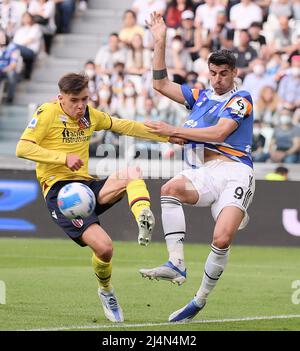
(78,223)
(83,123)
(191,123)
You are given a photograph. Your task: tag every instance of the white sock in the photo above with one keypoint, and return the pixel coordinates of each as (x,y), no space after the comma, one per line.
(214,267)
(173,222)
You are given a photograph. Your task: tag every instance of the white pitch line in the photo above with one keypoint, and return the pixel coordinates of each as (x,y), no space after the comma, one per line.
(140,325)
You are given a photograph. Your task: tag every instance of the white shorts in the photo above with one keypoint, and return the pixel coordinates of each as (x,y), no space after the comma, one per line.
(223,183)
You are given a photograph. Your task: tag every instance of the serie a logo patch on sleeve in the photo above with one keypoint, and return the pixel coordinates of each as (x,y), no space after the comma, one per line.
(32,123)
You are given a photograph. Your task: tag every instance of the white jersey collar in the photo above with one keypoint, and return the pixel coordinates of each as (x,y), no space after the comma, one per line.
(213,96)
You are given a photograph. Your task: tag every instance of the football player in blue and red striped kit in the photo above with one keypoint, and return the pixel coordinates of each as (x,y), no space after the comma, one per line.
(221,122)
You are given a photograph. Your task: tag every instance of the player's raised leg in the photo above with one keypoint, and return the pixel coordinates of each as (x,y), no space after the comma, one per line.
(101,244)
(175,192)
(226,226)
(129,180)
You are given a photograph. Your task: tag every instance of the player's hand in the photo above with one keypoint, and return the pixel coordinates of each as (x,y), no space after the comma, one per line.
(73,162)
(160,128)
(176,140)
(157,26)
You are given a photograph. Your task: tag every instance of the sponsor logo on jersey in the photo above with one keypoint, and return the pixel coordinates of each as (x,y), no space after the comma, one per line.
(213,109)
(78,223)
(191,123)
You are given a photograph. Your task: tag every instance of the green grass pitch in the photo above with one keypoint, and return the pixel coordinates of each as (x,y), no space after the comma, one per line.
(50,285)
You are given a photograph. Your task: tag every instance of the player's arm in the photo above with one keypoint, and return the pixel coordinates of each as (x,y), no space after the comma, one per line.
(217,133)
(161,81)
(29,150)
(130,128)
(231,116)
(135,129)
(29,145)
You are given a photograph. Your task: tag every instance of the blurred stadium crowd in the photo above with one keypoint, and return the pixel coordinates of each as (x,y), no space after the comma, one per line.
(263,34)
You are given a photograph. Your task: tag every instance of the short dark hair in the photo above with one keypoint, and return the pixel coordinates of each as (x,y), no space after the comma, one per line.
(222,57)
(282,170)
(73,83)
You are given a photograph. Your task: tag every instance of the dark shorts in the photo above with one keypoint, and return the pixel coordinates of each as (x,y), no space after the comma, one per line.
(75,228)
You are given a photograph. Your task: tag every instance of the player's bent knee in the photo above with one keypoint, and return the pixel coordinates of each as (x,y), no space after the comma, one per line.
(104,250)
(172,189)
(222,242)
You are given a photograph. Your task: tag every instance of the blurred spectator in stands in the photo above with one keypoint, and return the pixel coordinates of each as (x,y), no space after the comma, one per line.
(63,15)
(296,47)
(191,35)
(149,112)
(131,104)
(257,79)
(244,54)
(289,85)
(275,65)
(258,143)
(221,37)
(105,96)
(138,62)
(280,173)
(200,65)
(296,9)
(130,27)
(9,57)
(282,37)
(206,14)
(285,144)
(178,60)
(117,81)
(10,15)
(28,39)
(144,7)
(265,109)
(257,40)
(191,79)
(174,11)
(90,71)
(108,55)
(280,8)
(43,12)
(243,14)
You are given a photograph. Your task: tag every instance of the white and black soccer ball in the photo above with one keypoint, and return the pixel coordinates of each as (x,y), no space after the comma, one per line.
(76,200)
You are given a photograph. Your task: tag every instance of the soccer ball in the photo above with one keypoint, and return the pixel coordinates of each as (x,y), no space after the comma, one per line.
(76,200)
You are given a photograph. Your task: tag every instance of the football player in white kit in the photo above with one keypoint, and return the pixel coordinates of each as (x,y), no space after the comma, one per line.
(221,120)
